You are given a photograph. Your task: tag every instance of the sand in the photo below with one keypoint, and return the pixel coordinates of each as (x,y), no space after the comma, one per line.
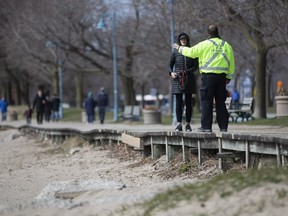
(39,178)
(32,171)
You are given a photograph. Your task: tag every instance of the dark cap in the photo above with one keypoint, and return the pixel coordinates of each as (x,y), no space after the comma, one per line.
(183,37)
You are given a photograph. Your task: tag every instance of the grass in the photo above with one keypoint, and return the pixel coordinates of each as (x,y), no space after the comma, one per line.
(74,114)
(282,122)
(196,118)
(69,114)
(224,185)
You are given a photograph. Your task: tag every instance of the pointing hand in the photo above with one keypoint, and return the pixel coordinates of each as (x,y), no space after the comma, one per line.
(176,46)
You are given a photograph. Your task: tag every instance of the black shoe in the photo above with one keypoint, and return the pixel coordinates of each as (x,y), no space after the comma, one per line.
(204,130)
(178,128)
(188,128)
(223,130)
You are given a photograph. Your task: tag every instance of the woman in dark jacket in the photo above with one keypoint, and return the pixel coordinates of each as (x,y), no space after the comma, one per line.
(39,104)
(181,70)
(89,106)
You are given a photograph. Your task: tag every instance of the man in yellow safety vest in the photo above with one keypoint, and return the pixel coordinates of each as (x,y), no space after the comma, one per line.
(216,65)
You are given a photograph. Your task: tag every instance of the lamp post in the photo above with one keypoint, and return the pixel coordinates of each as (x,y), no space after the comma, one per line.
(101,25)
(171,23)
(51,44)
(172,42)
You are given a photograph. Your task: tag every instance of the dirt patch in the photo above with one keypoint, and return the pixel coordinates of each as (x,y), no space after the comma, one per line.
(176,167)
(69,146)
(73,142)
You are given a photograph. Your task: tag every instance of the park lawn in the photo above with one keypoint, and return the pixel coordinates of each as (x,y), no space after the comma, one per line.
(282,122)
(74,114)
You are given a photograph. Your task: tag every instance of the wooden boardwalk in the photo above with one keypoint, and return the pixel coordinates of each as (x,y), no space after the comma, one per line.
(170,143)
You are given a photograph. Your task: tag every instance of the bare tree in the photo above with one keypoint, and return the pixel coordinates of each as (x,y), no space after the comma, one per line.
(17,64)
(143,42)
(261,27)
(261,23)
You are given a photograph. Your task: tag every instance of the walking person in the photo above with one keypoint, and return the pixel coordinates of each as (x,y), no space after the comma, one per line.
(39,105)
(48,109)
(235,99)
(216,62)
(28,114)
(102,103)
(181,70)
(55,107)
(89,106)
(3,108)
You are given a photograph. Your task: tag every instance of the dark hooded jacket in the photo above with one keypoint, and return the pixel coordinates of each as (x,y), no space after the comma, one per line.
(90,104)
(182,63)
(102,99)
(55,103)
(39,103)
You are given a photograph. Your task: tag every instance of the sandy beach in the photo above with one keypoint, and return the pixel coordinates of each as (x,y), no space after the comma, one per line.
(34,172)
(40,178)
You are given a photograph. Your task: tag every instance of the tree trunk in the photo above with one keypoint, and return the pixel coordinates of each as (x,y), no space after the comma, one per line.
(260,78)
(129,92)
(18,93)
(27,93)
(269,93)
(5,92)
(14,91)
(10,94)
(79,86)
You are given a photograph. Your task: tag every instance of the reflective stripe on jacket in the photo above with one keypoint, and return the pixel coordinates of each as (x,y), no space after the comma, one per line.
(215,56)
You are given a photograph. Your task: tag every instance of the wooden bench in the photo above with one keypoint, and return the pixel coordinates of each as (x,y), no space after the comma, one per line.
(245,110)
(131,113)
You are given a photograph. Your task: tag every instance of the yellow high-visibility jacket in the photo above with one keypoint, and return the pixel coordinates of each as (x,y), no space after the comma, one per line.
(215,56)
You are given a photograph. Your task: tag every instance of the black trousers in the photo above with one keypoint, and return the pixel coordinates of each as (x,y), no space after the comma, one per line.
(213,87)
(39,116)
(179,107)
(102,111)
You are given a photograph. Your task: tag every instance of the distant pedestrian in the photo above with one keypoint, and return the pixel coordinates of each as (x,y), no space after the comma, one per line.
(89,106)
(235,99)
(28,114)
(48,109)
(3,108)
(102,103)
(39,105)
(55,107)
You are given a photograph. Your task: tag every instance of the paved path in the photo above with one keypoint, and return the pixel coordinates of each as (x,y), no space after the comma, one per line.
(275,131)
